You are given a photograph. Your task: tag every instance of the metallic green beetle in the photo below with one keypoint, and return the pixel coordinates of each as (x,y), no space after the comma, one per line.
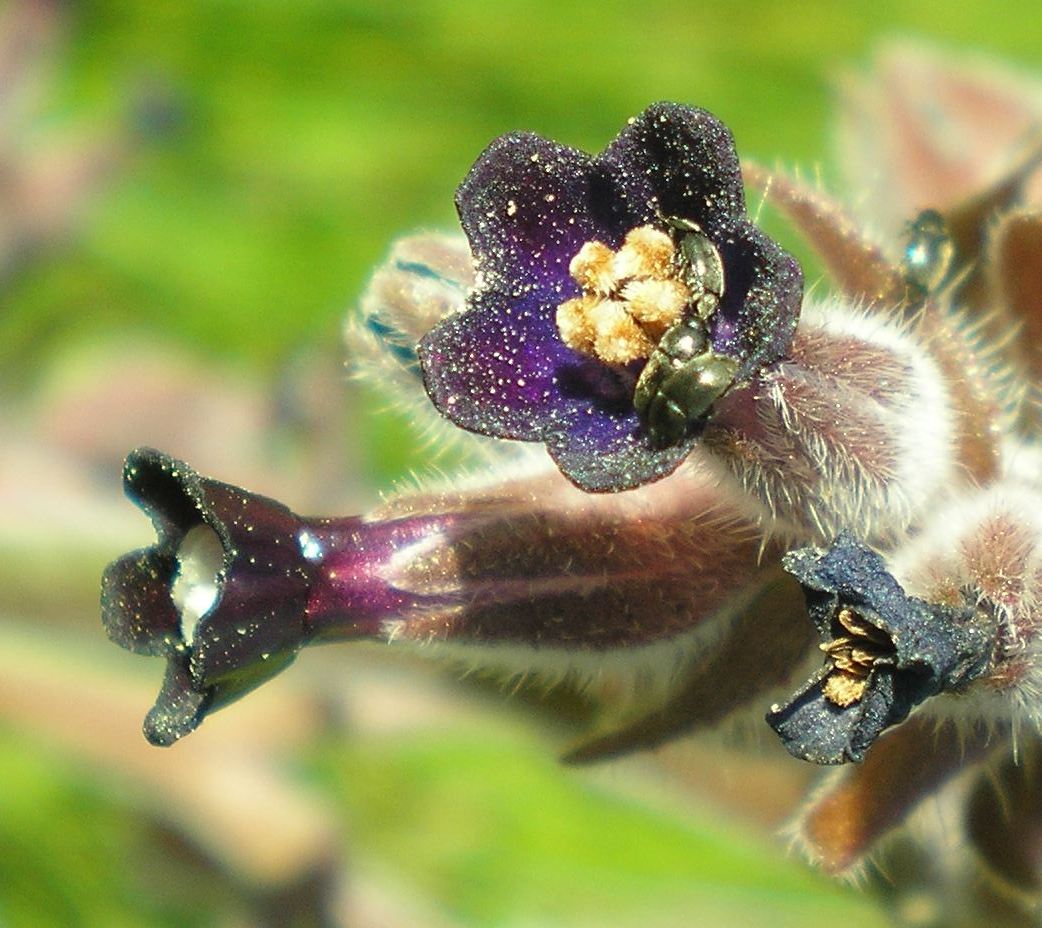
(929,256)
(684,376)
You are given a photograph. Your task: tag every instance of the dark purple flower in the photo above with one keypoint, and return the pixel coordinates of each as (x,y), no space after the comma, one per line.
(260,583)
(528,207)
(886,653)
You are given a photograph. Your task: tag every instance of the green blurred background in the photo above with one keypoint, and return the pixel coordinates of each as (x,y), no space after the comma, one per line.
(194,194)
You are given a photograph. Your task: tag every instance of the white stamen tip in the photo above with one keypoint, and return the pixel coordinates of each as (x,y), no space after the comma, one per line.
(310,546)
(197,586)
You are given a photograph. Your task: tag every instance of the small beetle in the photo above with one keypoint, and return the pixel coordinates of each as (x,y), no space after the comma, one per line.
(684,376)
(698,264)
(928,256)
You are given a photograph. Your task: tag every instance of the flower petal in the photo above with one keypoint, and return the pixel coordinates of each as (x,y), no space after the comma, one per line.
(685,160)
(256,624)
(529,204)
(604,453)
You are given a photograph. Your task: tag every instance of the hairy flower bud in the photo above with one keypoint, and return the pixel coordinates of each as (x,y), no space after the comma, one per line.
(853,431)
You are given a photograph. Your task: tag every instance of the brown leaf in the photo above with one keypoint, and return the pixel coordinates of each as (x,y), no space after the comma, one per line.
(859,805)
(1015,272)
(1004,819)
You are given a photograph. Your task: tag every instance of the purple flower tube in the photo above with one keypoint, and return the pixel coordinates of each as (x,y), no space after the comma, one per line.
(523,574)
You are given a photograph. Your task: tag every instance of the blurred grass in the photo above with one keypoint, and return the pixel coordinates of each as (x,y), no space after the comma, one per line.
(64,848)
(286,145)
(292,142)
(498,834)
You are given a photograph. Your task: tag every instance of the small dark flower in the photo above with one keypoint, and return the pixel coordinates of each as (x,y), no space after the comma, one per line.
(886,652)
(594,247)
(210,524)
(235,586)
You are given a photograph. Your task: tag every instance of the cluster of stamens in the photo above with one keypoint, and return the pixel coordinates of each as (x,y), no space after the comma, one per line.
(630,297)
(853,656)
